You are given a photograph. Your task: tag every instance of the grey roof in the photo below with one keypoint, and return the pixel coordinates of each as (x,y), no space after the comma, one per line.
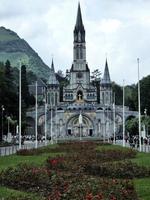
(40,87)
(52,77)
(106,77)
(40,83)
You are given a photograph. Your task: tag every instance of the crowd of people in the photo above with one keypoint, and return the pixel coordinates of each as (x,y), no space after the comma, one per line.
(134,141)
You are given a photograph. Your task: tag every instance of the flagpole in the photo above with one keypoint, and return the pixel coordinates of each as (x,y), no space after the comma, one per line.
(51,123)
(56,126)
(123,118)
(114,120)
(104,126)
(45,122)
(139,105)
(20,106)
(36,115)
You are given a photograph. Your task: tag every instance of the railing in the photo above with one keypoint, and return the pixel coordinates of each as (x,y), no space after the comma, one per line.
(9,150)
(144,148)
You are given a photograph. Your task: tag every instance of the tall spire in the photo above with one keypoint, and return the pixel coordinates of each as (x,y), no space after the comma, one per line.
(106,77)
(79,23)
(79,32)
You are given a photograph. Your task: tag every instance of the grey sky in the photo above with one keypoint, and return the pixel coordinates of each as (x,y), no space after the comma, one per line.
(118,28)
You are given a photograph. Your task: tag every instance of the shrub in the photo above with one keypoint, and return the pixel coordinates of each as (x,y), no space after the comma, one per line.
(125,169)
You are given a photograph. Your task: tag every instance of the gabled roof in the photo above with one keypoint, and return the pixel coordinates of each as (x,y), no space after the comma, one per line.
(106,77)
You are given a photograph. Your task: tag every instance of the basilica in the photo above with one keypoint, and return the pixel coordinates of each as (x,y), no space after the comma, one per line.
(99,116)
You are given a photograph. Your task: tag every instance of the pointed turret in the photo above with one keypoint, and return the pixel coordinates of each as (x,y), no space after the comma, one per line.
(52,66)
(106,77)
(52,78)
(106,87)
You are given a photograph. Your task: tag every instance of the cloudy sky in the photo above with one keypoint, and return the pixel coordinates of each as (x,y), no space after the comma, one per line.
(119,29)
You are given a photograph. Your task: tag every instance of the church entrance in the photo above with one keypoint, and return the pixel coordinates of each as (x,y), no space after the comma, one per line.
(74,129)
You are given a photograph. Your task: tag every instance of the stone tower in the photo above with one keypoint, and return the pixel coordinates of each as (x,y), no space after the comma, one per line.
(79,88)
(52,87)
(106,88)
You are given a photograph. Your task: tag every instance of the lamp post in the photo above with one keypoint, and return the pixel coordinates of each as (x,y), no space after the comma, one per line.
(2,107)
(114,112)
(139,106)
(56,126)
(20,106)
(123,119)
(36,115)
(107,124)
(51,96)
(45,122)
(51,125)
(145,113)
(104,126)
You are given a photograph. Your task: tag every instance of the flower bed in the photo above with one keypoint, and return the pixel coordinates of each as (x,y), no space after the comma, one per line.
(83,173)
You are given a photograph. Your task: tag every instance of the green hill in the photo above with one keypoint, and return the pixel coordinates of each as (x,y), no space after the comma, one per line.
(13,48)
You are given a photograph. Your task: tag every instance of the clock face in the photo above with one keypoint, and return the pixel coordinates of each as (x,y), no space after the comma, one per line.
(79,75)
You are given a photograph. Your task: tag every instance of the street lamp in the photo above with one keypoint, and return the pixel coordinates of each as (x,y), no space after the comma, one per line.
(51,123)
(56,126)
(123,118)
(45,120)
(145,113)
(114,113)
(20,106)
(139,106)
(2,107)
(36,114)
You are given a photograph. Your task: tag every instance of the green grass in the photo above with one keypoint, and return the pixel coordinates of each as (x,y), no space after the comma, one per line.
(6,193)
(13,160)
(142,187)
(111,147)
(142,159)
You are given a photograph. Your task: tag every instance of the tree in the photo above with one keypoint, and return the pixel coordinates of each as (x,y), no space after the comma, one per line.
(132,126)
(145,94)
(96,76)
(8,93)
(117,89)
(24,86)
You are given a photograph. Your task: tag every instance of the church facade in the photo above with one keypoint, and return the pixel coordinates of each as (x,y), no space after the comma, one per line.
(80,98)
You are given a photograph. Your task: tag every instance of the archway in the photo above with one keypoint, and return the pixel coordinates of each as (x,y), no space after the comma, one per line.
(73,127)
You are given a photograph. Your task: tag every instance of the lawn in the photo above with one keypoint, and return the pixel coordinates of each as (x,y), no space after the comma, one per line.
(142,185)
(6,193)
